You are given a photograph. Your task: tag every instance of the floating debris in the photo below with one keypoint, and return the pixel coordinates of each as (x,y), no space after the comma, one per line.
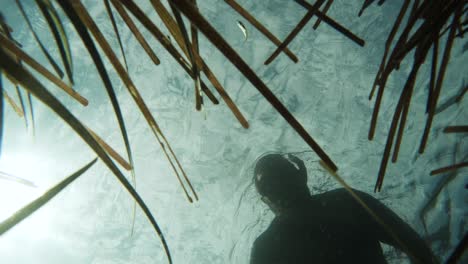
(9,177)
(244,30)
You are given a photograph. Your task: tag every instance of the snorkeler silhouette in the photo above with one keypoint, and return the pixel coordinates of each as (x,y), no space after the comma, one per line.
(331,227)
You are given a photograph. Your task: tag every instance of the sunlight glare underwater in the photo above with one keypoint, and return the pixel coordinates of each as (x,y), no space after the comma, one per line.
(21,182)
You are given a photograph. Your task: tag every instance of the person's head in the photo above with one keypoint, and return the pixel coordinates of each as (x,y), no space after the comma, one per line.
(280,181)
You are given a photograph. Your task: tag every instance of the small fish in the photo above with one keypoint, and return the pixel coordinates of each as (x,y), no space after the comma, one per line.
(244,30)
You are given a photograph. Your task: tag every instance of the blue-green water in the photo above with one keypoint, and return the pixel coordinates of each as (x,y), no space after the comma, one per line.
(90,222)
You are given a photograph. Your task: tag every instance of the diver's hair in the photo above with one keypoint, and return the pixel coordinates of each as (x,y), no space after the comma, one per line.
(257,160)
(279,178)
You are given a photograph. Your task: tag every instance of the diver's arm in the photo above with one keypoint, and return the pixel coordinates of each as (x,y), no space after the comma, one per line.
(403,236)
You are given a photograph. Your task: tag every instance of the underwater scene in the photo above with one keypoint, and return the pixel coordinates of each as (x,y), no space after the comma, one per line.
(235,131)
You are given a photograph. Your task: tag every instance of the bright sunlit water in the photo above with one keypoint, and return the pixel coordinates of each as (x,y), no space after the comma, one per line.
(15,194)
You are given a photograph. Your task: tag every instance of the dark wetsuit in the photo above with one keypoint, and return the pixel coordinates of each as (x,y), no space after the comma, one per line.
(333,228)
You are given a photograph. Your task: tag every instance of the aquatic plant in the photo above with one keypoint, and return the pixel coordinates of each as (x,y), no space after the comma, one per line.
(439,18)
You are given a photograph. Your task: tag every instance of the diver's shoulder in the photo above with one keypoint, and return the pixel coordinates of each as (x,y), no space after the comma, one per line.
(264,240)
(339,195)
(332,193)
(341,192)
(269,232)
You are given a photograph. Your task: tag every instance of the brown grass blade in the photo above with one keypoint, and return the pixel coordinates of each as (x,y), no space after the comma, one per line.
(456,129)
(388,147)
(365,5)
(332,23)
(224,95)
(389,41)
(6,43)
(33,206)
(461,31)
(325,10)
(171,25)
(151,27)
(179,33)
(420,56)
(31,112)
(23,108)
(27,80)
(196,52)
(461,95)
(252,20)
(449,168)
(134,9)
(6,30)
(405,97)
(435,24)
(12,103)
(387,69)
(12,40)
(440,79)
(208,93)
(401,130)
(197,19)
(89,44)
(55,25)
(402,106)
(416,8)
(310,13)
(116,156)
(435,54)
(191,51)
(92,27)
(116,31)
(20,110)
(38,41)
(133,28)
(164,41)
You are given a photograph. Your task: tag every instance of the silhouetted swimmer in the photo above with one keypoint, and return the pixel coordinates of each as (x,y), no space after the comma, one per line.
(331,227)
